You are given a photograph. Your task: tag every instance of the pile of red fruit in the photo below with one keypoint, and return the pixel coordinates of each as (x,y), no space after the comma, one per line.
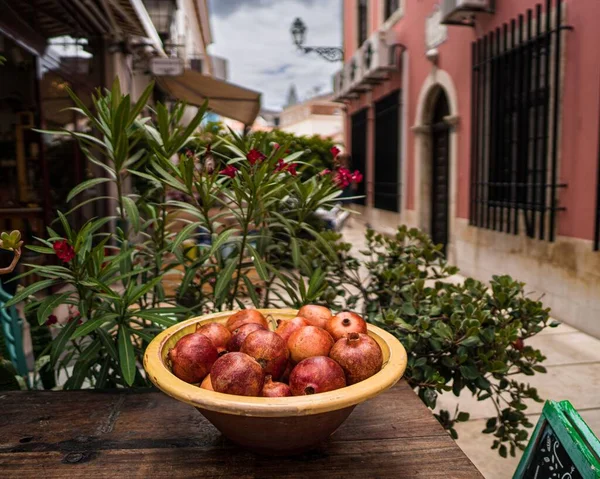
(312,353)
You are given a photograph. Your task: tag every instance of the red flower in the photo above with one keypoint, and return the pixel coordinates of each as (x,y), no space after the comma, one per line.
(280,166)
(189,153)
(357,176)
(276,146)
(64,250)
(229,170)
(51,320)
(254,155)
(291,169)
(79,321)
(258,290)
(325,172)
(335,151)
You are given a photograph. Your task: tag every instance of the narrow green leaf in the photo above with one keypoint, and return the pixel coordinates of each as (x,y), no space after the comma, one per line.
(259,264)
(49,304)
(40,249)
(224,281)
(29,290)
(85,185)
(132,213)
(295,252)
(251,291)
(58,345)
(108,342)
(184,234)
(90,326)
(126,355)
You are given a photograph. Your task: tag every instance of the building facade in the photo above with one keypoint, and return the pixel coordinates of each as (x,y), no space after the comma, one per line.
(316,116)
(481,126)
(49,47)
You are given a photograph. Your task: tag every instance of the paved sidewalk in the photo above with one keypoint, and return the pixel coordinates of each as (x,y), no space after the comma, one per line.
(573,364)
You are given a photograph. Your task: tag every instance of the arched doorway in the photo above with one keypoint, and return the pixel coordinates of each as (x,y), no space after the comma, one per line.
(440,154)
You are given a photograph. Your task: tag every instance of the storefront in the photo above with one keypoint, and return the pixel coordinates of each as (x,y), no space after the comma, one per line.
(497,140)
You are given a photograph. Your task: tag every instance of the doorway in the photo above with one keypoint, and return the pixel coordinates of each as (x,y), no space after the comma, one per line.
(440,143)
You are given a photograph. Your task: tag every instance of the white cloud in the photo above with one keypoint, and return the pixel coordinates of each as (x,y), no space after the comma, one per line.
(254,35)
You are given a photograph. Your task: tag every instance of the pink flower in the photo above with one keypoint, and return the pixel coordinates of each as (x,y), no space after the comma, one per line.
(51,320)
(343,178)
(325,172)
(64,250)
(276,146)
(335,151)
(357,176)
(254,155)
(229,170)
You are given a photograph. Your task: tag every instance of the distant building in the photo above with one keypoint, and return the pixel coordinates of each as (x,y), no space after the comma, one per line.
(316,116)
(487,138)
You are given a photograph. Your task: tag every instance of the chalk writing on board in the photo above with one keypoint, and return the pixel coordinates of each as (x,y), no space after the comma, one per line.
(550,459)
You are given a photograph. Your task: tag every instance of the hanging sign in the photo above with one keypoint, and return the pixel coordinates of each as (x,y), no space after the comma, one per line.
(160,66)
(562,446)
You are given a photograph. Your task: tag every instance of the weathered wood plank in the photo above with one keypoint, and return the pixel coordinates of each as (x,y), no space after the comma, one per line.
(147,434)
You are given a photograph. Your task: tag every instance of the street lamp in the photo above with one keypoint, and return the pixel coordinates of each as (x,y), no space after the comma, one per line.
(331,54)
(161,13)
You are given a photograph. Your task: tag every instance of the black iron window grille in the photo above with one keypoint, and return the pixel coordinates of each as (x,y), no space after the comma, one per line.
(386,187)
(515,125)
(362,21)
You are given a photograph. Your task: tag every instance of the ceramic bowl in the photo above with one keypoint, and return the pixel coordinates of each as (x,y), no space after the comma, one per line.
(276,426)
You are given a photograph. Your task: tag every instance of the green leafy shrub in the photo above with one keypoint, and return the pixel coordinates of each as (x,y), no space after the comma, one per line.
(457,334)
(316,150)
(217,231)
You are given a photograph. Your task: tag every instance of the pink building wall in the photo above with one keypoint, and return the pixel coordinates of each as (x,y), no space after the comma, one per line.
(580,90)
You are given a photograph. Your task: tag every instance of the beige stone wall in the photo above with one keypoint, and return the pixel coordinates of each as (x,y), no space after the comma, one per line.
(566,273)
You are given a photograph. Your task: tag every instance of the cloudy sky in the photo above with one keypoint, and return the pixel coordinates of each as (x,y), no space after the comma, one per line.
(254,35)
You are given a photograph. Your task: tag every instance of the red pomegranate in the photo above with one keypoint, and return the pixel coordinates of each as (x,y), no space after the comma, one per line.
(240,334)
(343,323)
(206,383)
(246,316)
(192,357)
(315,375)
(269,350)
(217,333)
(273,389)
(237,373)
(285,327)
(315,315)
(359,355)
(309,341)
(285,377)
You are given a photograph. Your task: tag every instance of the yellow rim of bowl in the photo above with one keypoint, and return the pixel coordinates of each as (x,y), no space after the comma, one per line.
(166,381)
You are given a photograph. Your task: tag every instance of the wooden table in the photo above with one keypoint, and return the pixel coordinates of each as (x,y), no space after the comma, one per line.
(147,434)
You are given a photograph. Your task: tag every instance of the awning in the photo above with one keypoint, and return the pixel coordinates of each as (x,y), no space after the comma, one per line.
(224,98)
(81,18)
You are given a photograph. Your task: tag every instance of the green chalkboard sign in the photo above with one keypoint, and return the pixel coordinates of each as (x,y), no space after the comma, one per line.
(562,447)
